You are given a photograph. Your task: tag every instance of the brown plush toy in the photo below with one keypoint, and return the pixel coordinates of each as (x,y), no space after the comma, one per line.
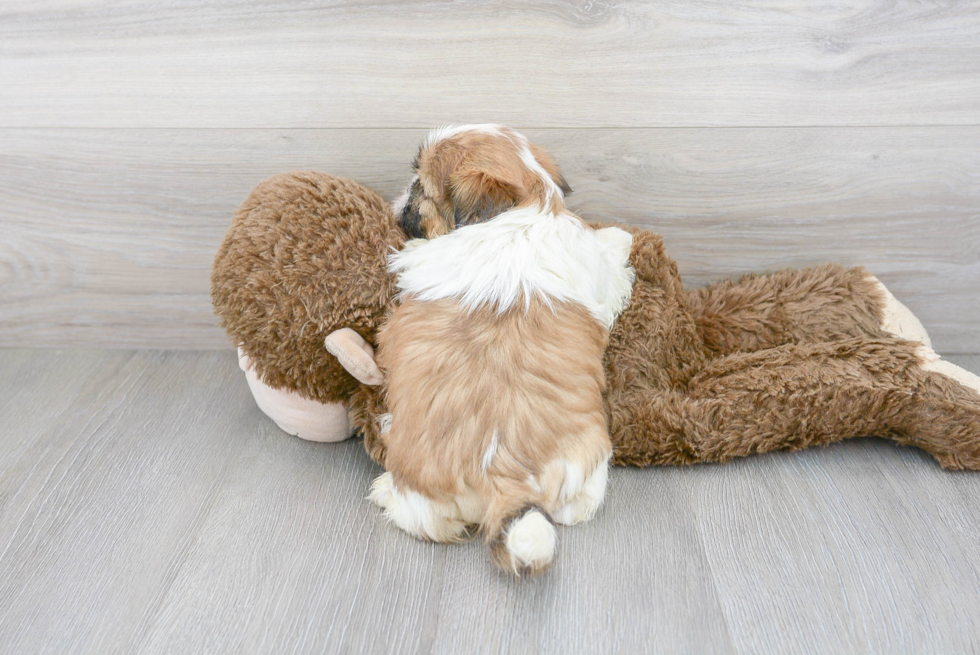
(301,285)
(781,361)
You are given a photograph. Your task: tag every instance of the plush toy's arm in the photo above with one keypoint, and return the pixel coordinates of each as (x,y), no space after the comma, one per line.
(811,305)
(354,354)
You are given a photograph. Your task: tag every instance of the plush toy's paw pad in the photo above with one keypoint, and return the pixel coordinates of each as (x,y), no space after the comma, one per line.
(931,361)
(897,319)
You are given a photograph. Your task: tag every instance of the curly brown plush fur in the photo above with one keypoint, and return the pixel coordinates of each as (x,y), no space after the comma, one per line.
(768,362)
(794,306)
(306,253)
(800,360)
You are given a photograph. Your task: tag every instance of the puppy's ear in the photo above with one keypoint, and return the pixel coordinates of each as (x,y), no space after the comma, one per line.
(479,195)
(410,218)
(549,165)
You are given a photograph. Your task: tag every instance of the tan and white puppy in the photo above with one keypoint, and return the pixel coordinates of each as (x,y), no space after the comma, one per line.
(493,356)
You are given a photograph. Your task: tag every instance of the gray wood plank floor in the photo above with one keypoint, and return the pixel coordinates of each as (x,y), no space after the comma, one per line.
(147,506)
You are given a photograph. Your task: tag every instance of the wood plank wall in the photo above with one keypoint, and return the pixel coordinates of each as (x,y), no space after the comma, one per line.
(753,135)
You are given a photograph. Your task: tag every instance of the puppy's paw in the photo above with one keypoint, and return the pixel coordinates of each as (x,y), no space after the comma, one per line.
(383,490)
(415,514)
(586,502)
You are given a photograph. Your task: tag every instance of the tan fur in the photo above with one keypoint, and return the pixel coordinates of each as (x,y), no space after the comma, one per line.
(458,380)
(473,176)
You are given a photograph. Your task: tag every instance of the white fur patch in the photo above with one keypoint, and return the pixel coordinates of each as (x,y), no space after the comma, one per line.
(448,131)
(522,252)
(551,188)
(398,204)
(490,452)
(384,423)
(414,513)
(531,540)
(587,500)
(573,480)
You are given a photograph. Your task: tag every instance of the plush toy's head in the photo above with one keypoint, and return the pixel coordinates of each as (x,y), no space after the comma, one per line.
(305,256)
(468,174)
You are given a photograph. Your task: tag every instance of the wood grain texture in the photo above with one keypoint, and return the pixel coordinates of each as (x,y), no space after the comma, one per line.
(822,552)
(532,64)
(147,506)
(673,603)
(109,234)
(101,504)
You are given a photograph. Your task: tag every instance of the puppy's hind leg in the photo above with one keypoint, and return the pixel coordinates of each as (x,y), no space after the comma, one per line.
(416,514)
(581,501)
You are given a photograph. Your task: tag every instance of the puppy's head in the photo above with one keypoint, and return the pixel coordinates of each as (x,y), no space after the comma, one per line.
(468,174)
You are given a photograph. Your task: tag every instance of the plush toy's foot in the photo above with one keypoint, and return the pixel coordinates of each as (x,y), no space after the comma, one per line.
(294,414)
(897,319)
(931,361)
(944,418)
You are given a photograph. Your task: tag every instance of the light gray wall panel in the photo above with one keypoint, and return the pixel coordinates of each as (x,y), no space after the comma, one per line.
(108,235)
(541,63)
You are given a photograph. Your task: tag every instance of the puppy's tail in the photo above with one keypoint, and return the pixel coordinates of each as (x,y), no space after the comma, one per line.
(524,541)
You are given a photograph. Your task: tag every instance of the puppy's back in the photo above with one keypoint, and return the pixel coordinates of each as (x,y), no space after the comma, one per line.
(494,370)
(477,394)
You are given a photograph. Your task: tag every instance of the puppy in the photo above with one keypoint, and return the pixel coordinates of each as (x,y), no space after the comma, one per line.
(493,356)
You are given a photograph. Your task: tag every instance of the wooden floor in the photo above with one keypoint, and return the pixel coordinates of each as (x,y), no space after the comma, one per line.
(147,506)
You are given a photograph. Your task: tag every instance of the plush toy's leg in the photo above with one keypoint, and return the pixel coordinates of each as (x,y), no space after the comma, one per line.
(943,421)
(931,361)
(809,305)
(898,320)
(294,414)
(801,395)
